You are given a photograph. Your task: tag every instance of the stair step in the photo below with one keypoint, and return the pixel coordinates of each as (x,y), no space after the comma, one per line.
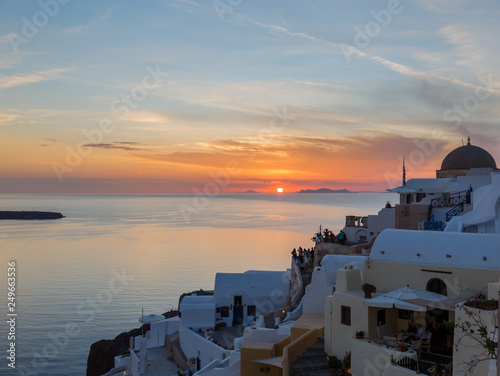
(307,363)
(312,355)
(317,347)
(322,372)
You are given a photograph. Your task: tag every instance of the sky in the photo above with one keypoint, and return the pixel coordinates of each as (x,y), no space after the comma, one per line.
(187,96)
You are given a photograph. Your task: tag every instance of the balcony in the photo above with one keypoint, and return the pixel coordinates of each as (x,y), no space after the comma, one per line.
(353,221)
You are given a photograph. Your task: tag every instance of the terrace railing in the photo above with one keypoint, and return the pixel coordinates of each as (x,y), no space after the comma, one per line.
(457,198)
(434,226)
(455,211)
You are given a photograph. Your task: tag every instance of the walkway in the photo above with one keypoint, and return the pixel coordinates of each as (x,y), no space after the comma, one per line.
(158,365)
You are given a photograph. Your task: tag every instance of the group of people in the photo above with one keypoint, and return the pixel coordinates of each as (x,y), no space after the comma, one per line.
(416,331)
(329,237)
(303,257)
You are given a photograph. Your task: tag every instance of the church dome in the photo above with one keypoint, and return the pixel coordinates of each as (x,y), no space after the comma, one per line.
(467,157)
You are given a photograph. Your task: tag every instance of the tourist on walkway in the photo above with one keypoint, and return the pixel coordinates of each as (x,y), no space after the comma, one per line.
(317,239)
(342,237)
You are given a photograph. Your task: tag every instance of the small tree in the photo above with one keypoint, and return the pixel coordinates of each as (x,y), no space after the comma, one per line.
(475,331)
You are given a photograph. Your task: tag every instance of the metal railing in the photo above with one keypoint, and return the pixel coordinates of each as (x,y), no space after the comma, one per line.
(455,211)
(434,226)
(457,198)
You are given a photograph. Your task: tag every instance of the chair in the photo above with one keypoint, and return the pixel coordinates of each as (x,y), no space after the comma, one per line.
(390,341)
(401,336)
(417,346)
(426,343)
(384,330)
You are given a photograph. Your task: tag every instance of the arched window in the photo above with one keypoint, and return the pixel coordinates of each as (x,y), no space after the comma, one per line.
(438,286)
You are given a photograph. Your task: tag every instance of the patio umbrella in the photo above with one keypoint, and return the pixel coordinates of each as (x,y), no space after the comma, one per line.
(384,301)
(411,294)
(151,318)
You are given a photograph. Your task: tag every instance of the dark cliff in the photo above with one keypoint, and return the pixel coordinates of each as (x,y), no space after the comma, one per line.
(102,353)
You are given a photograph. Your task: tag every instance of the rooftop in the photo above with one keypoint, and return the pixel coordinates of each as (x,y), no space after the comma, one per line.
(467,157)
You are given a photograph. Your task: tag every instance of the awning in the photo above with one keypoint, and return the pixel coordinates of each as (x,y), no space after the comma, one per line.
(276,361)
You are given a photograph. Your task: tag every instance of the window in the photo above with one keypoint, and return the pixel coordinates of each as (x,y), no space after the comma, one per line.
(224,311)
(403,314)
(238,300)
(345,315)
(363,238)
(420,196)
(381,317)
(438,286)
(251,310)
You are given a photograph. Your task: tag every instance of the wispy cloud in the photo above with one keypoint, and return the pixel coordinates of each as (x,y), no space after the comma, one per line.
(146,117)
(116,145)
(25,79)
(96,21)
(339,47)
(8,118)
(125,145)
(11,61)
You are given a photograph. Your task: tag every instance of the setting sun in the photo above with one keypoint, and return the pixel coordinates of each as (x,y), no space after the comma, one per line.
(280,190)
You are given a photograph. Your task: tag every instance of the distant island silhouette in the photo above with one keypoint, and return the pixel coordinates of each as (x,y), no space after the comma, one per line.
(29,215)
(251,191)
(324,190)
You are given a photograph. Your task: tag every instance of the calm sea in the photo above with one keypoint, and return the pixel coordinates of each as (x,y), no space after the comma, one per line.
(88,276)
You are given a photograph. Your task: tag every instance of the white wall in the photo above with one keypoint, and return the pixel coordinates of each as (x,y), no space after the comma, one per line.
(372,359)
(339,337)
(155,337)
(194,345)
(134,364)
(212,369)
(266,290)
(264,335)
(465,348)
(122,361)
(324,279)
(386,218)
(198,316)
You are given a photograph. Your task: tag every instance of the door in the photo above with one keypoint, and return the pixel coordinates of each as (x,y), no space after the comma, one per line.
(238,310)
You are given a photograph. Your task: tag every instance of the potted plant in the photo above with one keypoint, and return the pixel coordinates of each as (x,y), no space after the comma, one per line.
(360,334)
(368,290)
(486,304)
(449,329)
(402,347)
(490,305)
(347,362)
(334,364)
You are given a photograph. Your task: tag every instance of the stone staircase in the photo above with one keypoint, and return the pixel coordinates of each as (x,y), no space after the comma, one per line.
(312,362)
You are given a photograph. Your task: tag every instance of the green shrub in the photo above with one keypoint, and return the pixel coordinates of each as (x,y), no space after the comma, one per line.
(334,362)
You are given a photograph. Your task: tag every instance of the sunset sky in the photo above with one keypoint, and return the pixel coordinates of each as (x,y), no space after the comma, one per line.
(166,96)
